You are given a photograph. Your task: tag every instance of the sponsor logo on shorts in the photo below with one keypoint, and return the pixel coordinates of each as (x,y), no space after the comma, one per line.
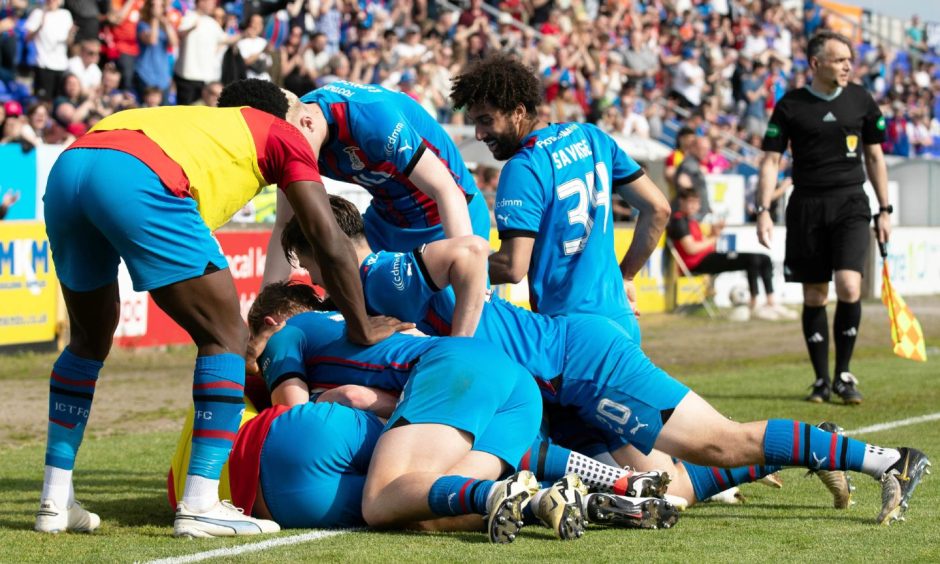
(397,279)
(508,203)
(638,425)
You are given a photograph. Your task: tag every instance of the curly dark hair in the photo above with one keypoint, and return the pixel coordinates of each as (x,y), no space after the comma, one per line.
(283,299)
(500,81)
(295,243)
(259,94)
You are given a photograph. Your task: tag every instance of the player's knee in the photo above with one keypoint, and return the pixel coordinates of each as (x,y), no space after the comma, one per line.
(475,247)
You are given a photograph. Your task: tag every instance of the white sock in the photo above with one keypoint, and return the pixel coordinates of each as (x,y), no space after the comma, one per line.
(594,474)
(57,486)
(200,494)
(534,503)
(878,459)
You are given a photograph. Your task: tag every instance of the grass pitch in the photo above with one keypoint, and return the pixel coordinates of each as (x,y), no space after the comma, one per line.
(749,371)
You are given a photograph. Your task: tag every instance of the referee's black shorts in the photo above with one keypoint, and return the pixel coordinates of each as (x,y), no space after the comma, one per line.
(826,232)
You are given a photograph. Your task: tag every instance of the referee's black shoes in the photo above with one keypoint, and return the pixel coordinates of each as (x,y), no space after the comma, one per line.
(820,392)
(844,386)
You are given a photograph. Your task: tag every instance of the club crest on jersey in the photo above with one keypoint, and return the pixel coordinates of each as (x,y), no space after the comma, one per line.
(354,161)
(851,143)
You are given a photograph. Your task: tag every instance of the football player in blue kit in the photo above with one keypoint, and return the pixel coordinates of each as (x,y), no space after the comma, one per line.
(610,382)
(552,204)
(387,143)
(458,427)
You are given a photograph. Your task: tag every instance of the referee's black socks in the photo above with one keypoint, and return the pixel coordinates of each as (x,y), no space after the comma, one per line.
(816,335)
(845,331)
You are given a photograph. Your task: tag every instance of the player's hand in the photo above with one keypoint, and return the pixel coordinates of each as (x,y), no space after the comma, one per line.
(765,229)
(381,327)
(630,290)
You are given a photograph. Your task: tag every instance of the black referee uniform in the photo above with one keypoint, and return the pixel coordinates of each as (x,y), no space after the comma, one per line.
(828,214)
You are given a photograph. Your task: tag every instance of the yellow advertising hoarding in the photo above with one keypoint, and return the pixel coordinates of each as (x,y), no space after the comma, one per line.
(28,286)
(650,282)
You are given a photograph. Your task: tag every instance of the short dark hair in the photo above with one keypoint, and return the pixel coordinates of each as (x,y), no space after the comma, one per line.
(688,194)
(818,42)
(261,95)
(295,243)
(285,298)
(500,81)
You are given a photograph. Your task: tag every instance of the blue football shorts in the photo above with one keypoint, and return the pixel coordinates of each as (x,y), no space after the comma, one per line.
(104,205)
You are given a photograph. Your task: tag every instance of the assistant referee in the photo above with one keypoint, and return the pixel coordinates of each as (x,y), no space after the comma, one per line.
(828,125)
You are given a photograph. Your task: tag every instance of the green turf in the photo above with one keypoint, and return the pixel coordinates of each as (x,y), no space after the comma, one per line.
(122,477)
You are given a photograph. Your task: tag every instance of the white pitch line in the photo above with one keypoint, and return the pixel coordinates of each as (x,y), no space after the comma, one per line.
(317,535)
(895,424)
(246,548)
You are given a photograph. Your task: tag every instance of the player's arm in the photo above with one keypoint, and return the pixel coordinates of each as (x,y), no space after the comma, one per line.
(290,392)
(336,256)
(644,195)
(433,178)
(767,182)
(510,263)
(380,402)
(459,262)
(281,354)
(276,267)
(878,176)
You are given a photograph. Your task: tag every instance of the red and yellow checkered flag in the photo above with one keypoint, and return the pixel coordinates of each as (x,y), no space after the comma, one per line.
(906,333)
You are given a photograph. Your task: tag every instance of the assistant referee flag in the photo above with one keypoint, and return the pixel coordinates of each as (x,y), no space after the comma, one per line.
(906,333)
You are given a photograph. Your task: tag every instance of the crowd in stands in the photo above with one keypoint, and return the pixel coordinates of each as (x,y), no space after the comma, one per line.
(642,68)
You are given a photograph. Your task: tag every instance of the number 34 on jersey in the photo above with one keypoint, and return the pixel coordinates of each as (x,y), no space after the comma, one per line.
(592,192)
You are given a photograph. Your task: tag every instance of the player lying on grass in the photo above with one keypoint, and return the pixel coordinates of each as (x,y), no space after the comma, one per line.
(280,301)
(305,466)
(459,426)
(586,362)
(148,187)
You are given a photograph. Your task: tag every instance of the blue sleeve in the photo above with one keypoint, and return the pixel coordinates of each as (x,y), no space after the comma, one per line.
(520,199)
(387,136)
(283,357)
(395,284)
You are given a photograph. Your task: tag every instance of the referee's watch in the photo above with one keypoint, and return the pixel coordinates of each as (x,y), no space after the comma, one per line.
(889,209)
(761,209)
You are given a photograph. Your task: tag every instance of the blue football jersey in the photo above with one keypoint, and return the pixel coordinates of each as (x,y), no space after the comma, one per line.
(376,138)
(397,284)
(313,346)
(557,189)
